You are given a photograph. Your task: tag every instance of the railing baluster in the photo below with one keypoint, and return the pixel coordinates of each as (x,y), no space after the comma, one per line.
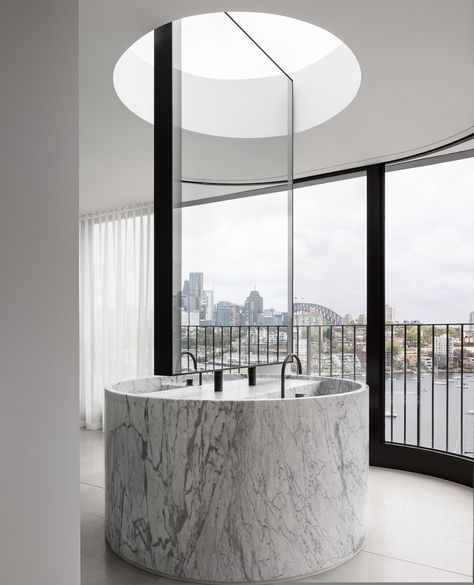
(213,348)
(418,385)
(330,351)
(240,347)
(405,384)
(447,388)
(354,351)
(342,352)
(222,346)
(258,345)
(248,357)
(432,385)
(462,393)
(391,382)
(268,344)
(298,340)
(319,349)
(278,343)
(195,342)
(308,350)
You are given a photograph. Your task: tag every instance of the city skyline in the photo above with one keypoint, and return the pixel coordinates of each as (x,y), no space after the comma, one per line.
(430,249)
(207,293)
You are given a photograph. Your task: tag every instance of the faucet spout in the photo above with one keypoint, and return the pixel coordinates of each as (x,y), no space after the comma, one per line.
(193,358)
(288,358)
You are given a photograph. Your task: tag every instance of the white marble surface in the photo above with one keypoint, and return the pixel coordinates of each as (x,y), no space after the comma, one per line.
(246,488)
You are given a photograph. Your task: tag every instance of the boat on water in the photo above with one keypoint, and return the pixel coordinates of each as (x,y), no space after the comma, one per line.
(391,413)
(440,383)
(464,385)
(470,412)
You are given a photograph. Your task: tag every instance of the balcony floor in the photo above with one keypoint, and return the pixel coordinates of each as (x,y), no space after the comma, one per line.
(421,530)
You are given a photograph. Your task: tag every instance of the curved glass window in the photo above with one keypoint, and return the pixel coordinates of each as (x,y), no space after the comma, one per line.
(429,386)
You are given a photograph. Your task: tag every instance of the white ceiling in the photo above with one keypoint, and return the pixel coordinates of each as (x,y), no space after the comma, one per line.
(417,91)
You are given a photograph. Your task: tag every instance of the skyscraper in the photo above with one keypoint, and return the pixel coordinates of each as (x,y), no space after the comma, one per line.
(471,320)
(207,306)
(389,314)
(253,308)
(195,284)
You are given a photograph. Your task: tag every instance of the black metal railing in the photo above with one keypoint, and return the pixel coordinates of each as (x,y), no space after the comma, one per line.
(325,350)
(429,386)
(234,347)
(429,381)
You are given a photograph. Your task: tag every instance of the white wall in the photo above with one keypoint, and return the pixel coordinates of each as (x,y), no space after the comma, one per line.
(39,442)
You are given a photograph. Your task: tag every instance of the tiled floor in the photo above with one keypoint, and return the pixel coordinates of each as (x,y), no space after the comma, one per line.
(421,530)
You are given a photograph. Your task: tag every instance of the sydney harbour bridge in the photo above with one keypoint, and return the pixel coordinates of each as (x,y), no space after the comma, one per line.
(327,316)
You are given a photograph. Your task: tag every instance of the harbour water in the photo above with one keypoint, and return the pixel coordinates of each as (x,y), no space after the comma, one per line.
(444,403)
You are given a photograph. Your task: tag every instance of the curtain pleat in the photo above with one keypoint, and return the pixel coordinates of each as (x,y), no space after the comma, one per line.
(116,298)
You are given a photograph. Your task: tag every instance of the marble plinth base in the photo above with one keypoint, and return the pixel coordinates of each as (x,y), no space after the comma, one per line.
(237,490)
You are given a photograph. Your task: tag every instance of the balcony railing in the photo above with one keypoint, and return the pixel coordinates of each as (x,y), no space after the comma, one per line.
(429,381)
(429,386)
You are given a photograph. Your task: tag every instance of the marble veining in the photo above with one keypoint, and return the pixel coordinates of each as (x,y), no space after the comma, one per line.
(238,489)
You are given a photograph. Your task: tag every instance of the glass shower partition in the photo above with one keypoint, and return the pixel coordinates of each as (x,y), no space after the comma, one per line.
(227,210)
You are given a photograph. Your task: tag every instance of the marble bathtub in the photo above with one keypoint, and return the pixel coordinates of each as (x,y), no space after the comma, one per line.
(237,486)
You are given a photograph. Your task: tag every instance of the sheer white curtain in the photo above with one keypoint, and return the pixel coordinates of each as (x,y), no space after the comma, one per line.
(116,303)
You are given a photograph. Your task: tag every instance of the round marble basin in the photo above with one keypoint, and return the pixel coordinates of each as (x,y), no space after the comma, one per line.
(239,486)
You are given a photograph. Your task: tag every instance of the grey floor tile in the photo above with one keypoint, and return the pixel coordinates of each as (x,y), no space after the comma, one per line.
(92,458)
(94,572)
(367,567)
(438,576)
(431,549)
(88,518)
(93,543)
(92,500)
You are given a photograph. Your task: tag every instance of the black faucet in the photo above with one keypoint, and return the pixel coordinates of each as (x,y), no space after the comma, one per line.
(192,356)
(289,357)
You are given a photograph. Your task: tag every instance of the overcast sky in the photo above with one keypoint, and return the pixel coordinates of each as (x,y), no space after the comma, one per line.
(429,239)
(430,242)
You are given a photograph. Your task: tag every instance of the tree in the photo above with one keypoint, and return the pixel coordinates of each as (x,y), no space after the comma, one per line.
(397,347)
(412,335)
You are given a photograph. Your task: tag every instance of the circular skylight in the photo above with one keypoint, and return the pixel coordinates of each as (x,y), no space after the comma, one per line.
(216,54)
(292,43)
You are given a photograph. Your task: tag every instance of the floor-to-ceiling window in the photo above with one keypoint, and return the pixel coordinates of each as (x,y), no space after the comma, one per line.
(234,294)
(330,275)
(429,350)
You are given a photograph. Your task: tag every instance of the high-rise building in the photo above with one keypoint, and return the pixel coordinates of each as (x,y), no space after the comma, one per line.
(389,314)
(270,317)
(235,314)
(348,319)
(189,318)
(443,346)
(207,307)
(195,284)
(471,320)
(227,314)
(194,303)
(223,313)
(253,307)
